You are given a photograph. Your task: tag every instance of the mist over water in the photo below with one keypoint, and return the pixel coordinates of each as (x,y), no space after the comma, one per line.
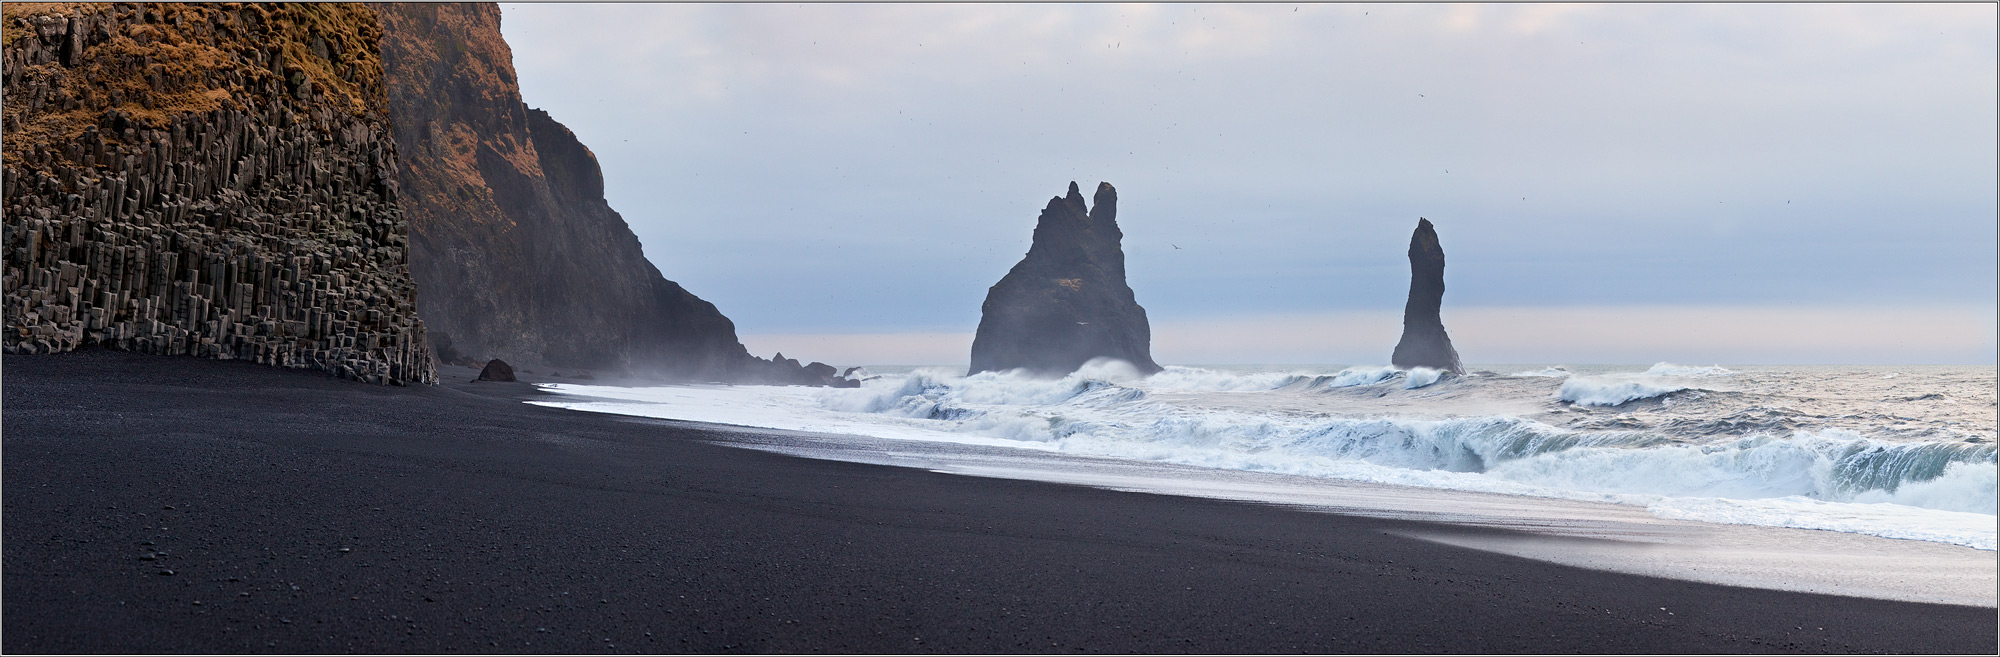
(1901,452)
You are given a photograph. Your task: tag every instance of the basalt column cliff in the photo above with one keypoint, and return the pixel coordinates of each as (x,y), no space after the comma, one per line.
(214,180)
(1424,342)
(518,254)
(1066,302)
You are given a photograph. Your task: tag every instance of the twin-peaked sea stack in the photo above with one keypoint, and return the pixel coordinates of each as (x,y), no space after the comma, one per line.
(1424,342)
(1066,302)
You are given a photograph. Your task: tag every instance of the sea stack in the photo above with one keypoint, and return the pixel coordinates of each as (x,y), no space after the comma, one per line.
(1424,342)
(1066,302)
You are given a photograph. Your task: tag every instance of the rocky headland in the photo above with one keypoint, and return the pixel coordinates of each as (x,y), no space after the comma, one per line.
(275,182)
(1424,342)
(1066,302)
(517,252)
(206,179)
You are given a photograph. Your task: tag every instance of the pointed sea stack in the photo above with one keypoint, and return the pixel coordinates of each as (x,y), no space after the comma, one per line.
(1066,302)
(1424,342)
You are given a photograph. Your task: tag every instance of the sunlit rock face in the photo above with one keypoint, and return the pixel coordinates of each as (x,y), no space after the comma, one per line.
(1066,302)
(1424,342)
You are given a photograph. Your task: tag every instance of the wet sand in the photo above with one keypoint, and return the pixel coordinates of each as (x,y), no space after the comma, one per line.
(298,513)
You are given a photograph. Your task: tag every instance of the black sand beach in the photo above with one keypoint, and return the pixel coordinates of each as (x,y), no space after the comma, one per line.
(297,513)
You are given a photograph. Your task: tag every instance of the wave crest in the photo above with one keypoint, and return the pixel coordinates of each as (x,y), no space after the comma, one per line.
(1516,455)
(1737,457)
(1356,376)
(1419,377)
(1600,391)
(1670,369)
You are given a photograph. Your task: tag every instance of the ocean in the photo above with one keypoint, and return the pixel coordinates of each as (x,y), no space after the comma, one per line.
(1904,452)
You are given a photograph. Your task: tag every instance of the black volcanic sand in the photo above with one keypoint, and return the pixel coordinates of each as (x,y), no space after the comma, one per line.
(303,514)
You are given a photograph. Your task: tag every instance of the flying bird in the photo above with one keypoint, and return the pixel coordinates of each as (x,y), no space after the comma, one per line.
(1177,246)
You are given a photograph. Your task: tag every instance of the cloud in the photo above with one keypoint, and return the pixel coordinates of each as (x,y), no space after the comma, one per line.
(825,169)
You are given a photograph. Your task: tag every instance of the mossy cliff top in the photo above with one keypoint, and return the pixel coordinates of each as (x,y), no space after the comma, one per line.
(147,62)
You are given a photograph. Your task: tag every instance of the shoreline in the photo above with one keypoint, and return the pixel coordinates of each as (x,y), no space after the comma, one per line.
(1351,435)
(1596,535)
(315,515)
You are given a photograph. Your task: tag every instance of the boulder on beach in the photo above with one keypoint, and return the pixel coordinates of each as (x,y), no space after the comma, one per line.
(496,370)
(1424,342)
(1066,302)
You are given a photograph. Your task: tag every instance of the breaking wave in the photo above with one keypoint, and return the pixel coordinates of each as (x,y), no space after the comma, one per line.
(1091,415)
(1355,376)
(1670,369)
(1594,391)
(1419,377)
(1660,380)
(1750,461)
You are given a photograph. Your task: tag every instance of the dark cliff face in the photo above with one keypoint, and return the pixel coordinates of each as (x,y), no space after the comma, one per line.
(518,254)
(206,179)
(647,321)
(1066,302)
(1424,342)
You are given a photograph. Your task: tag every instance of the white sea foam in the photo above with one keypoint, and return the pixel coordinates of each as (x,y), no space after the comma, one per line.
(1973,530)
(1964,486)
(1670,369)
(1546,372)
(1822,479)
(1196,378)
(1619,388)
(1608,391)
(1419,377)
(1357,376)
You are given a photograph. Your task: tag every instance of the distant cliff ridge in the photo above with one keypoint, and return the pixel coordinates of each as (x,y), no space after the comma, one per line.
(205,179)
(519,256)
(1424,342)
(1066,302)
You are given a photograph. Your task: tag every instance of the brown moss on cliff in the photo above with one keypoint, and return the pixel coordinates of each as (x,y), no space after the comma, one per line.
(211,180)
(456,98)
(154,61)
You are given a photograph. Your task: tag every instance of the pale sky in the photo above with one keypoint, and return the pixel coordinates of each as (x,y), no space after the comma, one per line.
(1759,183)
